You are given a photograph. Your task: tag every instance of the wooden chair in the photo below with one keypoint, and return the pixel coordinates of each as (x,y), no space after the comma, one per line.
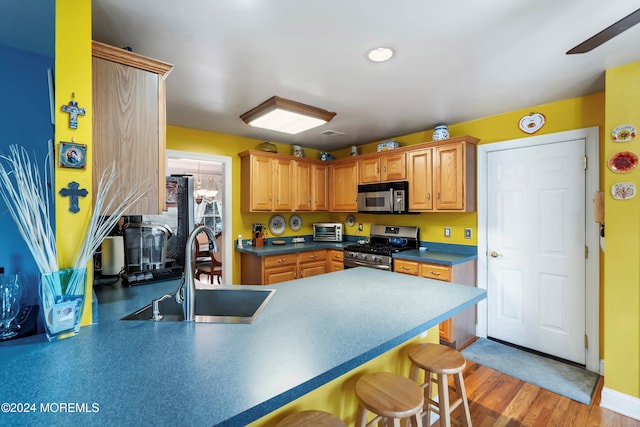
(440,361)
(205,263)
(391,397)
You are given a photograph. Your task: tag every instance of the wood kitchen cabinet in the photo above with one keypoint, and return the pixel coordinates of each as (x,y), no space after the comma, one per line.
(335,260)
(266,183)
(343,185)
(129,124)
(312,263)
(384,167)
(270,269)
(442,176)
(278,183)
(310,186)
(460,330)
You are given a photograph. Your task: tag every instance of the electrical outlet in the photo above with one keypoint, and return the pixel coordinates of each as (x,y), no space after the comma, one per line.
(467,233)
(360,227)
(447,232)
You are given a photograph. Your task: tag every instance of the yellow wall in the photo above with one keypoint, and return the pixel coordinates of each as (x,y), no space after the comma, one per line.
(622,248)
(73,75)
(338,396)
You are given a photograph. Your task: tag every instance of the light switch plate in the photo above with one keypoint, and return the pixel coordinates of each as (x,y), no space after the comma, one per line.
(447,232)
(467,233)
(360,228)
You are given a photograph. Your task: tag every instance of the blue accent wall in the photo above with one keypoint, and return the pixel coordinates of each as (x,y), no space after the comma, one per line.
(25,120)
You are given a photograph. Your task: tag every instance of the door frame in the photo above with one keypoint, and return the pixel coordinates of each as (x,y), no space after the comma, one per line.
(227,196)
(592,230)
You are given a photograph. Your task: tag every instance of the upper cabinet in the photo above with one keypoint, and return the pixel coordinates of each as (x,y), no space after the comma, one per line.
(343,185)
(277,183)
(442,176)
(129,124)
(388,166)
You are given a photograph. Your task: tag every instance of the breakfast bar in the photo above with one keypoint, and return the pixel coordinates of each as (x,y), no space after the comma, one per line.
(311,332)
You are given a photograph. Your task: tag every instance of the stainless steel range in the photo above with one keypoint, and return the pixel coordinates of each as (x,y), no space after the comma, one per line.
(383,242)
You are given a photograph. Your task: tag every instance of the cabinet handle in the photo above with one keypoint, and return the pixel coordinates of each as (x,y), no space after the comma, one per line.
(312,256)
(438,195)
(404,267)
(282,260)
(436,273)
(428,196)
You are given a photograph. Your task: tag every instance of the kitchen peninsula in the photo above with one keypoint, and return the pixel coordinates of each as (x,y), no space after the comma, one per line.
(311,332)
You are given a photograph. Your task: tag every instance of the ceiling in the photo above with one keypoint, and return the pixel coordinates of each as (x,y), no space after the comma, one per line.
(455,60)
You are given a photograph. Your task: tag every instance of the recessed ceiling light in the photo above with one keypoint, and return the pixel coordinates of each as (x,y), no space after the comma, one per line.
(380,54)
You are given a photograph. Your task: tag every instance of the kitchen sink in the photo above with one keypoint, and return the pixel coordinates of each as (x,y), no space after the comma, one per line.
(212,306)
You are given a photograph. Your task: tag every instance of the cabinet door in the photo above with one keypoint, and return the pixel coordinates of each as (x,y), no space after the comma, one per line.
(320,185)
(392,167)
(343,192)
(283,191)
(335,260)
(420,177)
(303,186)
(369,170)
(257,190)
(449,179)
(446,330)
(277,275)
(310,269)
(125,133)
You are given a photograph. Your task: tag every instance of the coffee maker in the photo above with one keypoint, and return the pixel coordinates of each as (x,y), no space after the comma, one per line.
(146,253)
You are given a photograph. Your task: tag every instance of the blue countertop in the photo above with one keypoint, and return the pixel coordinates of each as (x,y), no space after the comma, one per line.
(177,373)
(439,254)
(271,249)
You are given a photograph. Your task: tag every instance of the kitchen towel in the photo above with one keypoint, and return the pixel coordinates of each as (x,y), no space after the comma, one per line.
(562,378)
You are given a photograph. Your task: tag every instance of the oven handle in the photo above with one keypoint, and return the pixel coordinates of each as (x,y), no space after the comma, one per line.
(362,264)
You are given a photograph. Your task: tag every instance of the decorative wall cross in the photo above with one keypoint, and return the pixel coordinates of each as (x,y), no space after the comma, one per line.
(73,110)
(73,192)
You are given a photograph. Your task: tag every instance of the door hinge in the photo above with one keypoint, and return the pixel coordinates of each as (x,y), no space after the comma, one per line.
(586,341)
(586,251)
(586,162)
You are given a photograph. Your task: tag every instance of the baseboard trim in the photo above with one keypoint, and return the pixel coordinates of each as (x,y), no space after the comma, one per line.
(620,403)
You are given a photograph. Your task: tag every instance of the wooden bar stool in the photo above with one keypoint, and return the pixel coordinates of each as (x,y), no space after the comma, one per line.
(441,361)
(311,419)
(391,397)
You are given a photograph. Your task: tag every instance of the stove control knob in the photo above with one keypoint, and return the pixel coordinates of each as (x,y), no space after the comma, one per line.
(373,257)
(364,256)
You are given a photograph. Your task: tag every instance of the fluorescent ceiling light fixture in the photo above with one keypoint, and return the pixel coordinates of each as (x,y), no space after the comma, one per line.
(380,54)
(284,115)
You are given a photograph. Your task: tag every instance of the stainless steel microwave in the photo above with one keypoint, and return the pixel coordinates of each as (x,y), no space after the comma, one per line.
(386,197)
(327,232)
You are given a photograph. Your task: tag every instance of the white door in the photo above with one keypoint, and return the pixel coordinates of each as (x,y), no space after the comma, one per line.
(536,248)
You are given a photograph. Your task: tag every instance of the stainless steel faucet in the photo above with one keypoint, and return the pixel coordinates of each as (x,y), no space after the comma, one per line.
(186,294)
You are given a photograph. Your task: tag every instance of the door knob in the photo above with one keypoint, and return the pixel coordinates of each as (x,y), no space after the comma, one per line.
(495,254)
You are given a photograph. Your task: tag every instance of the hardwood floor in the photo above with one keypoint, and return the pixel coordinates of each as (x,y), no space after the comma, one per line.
(496,399)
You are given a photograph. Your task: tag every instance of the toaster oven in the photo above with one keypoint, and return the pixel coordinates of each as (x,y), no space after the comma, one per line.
(327,232)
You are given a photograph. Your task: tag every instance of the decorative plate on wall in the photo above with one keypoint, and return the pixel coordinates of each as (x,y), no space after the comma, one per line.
(623,133)
(623,162)
(351,220)
(623,190)
(277,224)
(295,222)
(532,123)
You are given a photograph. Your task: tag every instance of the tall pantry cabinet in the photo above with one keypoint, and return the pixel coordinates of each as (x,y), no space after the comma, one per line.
(129,124)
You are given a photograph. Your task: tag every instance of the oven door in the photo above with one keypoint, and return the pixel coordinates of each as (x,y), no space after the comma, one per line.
(352,263)
(375,201)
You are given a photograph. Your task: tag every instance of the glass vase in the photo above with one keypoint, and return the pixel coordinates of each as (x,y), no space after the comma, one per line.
(62,296)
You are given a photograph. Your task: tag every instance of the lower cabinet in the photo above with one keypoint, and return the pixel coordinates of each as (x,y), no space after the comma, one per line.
(335,260)
(460,330)
(270,269)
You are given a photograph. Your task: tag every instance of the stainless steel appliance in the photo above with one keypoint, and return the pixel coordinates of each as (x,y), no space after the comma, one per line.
(327,232)
(385,197)
(383,242)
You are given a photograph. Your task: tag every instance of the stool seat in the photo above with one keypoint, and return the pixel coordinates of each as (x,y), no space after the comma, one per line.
(388,396)
(311,418)
(441,361)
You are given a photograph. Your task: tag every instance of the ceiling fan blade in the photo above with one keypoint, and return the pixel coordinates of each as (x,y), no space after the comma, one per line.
(607,34)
